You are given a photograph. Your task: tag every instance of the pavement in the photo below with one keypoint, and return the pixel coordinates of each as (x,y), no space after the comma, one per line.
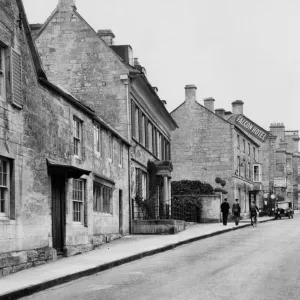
(107,256)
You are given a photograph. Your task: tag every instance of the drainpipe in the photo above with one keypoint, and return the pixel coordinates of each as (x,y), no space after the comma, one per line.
(125,79)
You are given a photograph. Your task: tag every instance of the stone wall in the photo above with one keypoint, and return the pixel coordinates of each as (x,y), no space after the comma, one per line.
(79,60)
(17,261)
(41,129)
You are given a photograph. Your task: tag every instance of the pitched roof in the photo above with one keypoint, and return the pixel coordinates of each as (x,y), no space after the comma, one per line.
(42,78)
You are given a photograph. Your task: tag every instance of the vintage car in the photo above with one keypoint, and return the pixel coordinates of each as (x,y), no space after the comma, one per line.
(284,209)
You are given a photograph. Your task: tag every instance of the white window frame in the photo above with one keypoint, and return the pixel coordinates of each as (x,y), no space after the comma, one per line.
(77,137)
(4,188)
(102,198)
(78,195)
(97,139)
(144,185)
(256,174)
(121,154)
(110,148)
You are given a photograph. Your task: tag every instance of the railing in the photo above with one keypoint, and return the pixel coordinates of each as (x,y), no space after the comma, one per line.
(174,209)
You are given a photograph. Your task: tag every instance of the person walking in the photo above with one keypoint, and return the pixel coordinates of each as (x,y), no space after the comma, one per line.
(225,210)
(253,212)
(236,211)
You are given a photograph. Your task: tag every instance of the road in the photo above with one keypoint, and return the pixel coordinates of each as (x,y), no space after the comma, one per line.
(252,263)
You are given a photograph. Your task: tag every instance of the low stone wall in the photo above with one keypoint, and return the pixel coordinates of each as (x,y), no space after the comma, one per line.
(157,226)
(210,208)
(97,241)
(13,262)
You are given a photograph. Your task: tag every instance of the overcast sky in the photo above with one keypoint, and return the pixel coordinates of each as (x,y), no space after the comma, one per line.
(230,49)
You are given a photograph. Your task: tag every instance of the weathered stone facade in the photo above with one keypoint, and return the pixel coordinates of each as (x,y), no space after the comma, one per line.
(206,145)
(107,78)
(287,163)
(37,153)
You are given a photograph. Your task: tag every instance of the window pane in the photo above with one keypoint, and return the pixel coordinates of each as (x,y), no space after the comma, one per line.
(2,200)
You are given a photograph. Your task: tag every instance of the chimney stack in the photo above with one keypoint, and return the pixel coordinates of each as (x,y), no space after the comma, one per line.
(66,4)
(220,112)
(190,93)
(209,103)
(278,129)
(237,107)
(107,36)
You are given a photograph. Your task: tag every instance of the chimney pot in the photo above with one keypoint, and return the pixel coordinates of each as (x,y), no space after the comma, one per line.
(209,103)
(190,93)
(164,102)
(220,112)
(237,107)
(66,3)
(155,89)
(107,36)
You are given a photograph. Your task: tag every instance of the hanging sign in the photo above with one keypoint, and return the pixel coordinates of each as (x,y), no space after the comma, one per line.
(251,128)
(279,182)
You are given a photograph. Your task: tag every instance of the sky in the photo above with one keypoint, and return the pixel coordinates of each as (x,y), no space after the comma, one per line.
(231,50)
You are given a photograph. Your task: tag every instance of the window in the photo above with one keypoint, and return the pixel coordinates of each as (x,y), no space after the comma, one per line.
(11,75)
(249,149)
(97,139)
(245,169)
(121,154)
(77,136)
(289,162)
(2,72)
(154,141)
(238,166)
(111,147)
(142,139)
(146,132)
(257,173)
(136,120)
(141,183)
(78,199)
(244,145)
(133,123)
(254,152)
(249,171)
(158,139)
(150,140)
(238,141)
(102,195)
(4,188)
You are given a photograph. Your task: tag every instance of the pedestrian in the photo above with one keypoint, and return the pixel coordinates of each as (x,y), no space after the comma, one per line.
(236,211)
(225,210)
(253,212)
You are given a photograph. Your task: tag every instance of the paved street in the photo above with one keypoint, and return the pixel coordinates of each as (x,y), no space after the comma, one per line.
(252,263)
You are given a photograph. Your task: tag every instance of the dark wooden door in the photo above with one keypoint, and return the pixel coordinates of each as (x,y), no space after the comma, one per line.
(58,212)
(120,211)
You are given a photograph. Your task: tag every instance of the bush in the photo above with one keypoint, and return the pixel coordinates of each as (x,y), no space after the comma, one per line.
(191,187)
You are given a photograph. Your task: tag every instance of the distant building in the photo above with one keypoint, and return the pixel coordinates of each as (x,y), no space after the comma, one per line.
(213,143)
(286,178)
(109,79)
(64,180)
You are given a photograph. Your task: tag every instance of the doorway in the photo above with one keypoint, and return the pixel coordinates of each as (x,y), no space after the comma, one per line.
(58,212)
(120,211)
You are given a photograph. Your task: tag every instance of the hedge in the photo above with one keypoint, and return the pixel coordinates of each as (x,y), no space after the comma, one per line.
(191,187)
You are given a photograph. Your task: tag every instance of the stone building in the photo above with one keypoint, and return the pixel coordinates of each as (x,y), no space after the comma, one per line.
(63,170)
(110,80)
(285,184)
(213,143)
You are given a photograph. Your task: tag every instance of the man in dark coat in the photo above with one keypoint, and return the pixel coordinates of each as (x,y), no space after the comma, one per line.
(225,210)
(236,211)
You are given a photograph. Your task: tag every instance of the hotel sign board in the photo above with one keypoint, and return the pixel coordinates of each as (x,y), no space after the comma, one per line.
(251,128)
(279,182)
